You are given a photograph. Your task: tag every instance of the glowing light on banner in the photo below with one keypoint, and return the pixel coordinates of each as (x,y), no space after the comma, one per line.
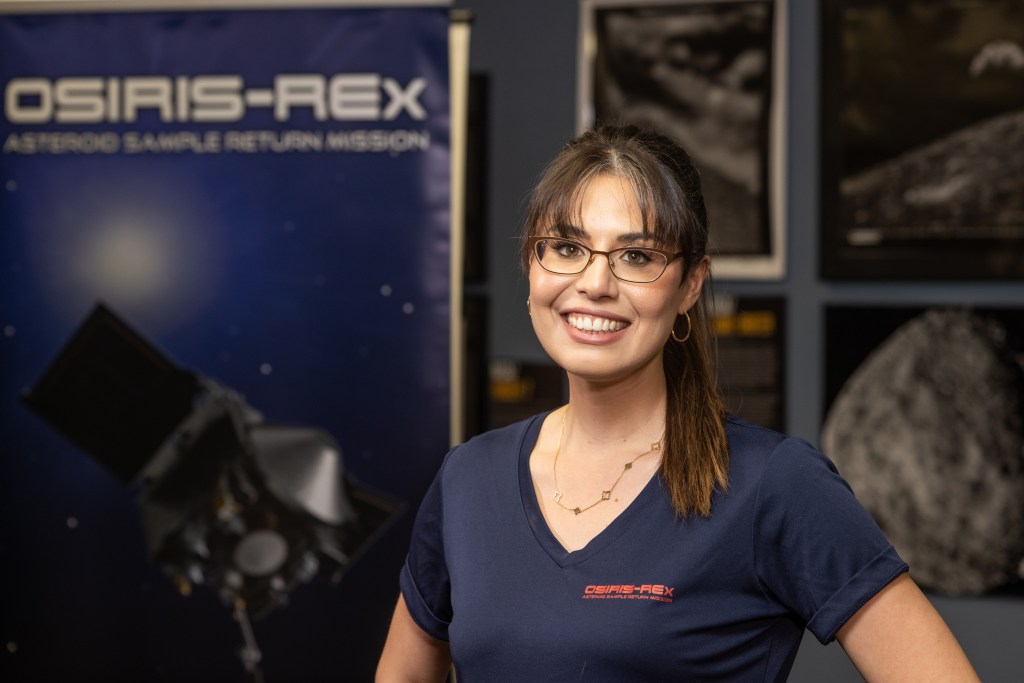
(130,250)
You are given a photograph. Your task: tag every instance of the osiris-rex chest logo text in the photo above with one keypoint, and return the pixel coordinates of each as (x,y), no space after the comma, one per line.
(212,98)
(646,591)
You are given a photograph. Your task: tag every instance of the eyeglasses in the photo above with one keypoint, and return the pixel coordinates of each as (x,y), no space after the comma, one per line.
(629,264)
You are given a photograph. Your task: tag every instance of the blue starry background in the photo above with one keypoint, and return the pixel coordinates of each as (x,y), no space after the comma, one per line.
(315,284)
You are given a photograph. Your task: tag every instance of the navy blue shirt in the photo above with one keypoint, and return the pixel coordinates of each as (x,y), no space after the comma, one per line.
(652,597)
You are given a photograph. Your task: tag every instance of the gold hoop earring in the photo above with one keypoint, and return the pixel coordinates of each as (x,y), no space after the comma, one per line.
(689,328)
(528,307)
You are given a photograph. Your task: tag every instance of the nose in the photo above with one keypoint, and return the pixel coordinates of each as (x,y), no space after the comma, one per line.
(597,280)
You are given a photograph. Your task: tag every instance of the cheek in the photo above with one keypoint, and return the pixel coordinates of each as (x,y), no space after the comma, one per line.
(661,312)
(658,302)
(544,286)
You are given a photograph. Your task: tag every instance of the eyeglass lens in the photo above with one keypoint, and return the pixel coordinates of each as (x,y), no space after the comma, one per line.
(632,264)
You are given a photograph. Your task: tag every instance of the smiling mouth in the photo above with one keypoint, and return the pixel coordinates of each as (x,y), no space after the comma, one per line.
(589,323)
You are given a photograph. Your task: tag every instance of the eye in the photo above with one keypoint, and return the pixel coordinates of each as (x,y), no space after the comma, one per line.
(567,249)
(637,257)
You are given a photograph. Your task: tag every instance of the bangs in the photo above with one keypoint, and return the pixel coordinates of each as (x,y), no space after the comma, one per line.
(559,210)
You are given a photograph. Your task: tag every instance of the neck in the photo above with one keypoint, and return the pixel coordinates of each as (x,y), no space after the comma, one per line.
(611,416)
(604,423)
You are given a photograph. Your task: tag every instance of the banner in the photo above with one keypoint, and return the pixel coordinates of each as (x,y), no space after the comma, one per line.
(264,195)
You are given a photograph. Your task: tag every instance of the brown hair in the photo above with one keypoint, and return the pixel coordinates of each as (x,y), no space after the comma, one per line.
(695,458)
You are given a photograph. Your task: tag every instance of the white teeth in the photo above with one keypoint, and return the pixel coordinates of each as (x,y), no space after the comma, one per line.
(591,324)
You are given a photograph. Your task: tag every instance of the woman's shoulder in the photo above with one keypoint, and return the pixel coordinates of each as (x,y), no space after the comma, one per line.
(495,445)
(752,446)
(506,434)
(746,437)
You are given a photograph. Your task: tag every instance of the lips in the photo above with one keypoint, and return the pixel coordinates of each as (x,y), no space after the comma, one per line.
(594,324)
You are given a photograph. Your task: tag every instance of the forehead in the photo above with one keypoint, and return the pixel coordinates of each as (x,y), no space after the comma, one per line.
(602,197)
(607,207)
(609,197)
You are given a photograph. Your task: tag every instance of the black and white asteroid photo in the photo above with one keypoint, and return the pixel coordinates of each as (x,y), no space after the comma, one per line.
(928,429)
(932,121)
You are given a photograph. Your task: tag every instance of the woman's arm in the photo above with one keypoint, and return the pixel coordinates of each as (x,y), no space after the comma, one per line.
(898,636)
(410,655)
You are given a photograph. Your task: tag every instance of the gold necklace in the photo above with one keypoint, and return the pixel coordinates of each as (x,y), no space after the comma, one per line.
(605,495)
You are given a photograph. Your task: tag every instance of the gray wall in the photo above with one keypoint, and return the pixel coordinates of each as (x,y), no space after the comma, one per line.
(528,49)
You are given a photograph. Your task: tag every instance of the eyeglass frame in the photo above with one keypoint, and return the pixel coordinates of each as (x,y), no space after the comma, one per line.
(669,255)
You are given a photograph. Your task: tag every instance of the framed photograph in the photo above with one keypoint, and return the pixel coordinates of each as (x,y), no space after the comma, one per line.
(711,75)
(922,165)
(925,420)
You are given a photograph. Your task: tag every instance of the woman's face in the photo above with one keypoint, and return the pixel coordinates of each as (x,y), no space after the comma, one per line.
(594,325)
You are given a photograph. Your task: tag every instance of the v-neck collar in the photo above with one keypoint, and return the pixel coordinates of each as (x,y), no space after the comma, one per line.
(627,519)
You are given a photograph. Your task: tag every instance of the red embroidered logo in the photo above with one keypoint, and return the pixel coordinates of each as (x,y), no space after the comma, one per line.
(647,591)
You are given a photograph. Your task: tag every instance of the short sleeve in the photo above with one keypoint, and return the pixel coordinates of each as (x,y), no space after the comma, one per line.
(424,581)
(817,550)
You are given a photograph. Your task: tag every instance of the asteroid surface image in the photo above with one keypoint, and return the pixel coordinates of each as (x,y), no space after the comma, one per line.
(928,432)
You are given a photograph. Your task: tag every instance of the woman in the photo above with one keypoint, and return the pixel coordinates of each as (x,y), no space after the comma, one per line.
(639,533)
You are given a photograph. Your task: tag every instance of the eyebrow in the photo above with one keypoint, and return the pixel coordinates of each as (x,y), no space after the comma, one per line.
(580,233)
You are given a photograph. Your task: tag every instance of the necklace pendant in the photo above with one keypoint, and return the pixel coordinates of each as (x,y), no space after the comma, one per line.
(576,511)
(605,495)
(557,496)
(628,466)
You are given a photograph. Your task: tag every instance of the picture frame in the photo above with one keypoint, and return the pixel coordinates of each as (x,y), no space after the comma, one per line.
(923,421)
(710,74)
(922,140)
